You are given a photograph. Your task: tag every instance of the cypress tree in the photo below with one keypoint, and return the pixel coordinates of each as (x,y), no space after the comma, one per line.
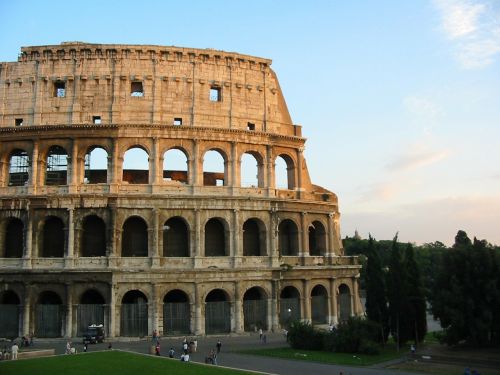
(396,292)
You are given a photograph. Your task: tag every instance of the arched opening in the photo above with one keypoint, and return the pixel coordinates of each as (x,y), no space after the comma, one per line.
(254,238)
(134,314)
(255,310)
(96,166)
(284,171)
(215,238)
(19,168)
(288,238)
(53,238)
(176,313)
(57,166)
(93,237)
(175,166)
(344,303)
(10,314)
(317,239)
(49,315)
(135,238)
(175,238)
(289,306)
(90,310)
(319,305)
(214,169)
(136,166)
(14,239)
(251,170)
(217,312)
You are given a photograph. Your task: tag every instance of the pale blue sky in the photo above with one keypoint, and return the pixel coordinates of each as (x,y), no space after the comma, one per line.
(399,100)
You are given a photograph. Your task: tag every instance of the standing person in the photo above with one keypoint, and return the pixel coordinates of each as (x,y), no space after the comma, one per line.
(218,345)
(68,347)
(185,347)
(195,345)
(157,348)
(14,350)
(260,334)
(171,353)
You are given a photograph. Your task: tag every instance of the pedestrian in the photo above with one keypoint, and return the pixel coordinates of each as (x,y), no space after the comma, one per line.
(412,349)
(195,346)
(171,353)
(218,345)
(185,347)
(68,347)
(260,334)
(14,350)
(85,347)
(264,339)
(214,357)
(110,346)
(157,348)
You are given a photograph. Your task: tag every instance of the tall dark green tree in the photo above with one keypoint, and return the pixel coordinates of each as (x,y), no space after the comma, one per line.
(415,297)
(376,292)
(466,295)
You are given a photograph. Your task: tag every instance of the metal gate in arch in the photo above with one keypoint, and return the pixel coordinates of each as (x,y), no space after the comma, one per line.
(176,318)
(134,319)
(88,314)
(255,314)
(49,320)
(217,317)
(319,309)
(9,321)
(289,311)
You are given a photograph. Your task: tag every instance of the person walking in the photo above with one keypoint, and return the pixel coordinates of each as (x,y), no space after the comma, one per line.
(218,345)
(260,334)
(14,350)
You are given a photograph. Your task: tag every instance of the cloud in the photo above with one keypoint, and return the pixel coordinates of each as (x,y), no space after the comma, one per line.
(473,26)
(418,159)
(420,106)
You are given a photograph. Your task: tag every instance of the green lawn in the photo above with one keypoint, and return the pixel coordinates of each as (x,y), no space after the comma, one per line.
(108,363)
(326,357)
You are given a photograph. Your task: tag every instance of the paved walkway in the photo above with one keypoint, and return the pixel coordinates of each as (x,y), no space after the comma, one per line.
(228,357)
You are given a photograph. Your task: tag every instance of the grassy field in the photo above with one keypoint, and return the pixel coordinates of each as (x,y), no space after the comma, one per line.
(327,357)
(109,363)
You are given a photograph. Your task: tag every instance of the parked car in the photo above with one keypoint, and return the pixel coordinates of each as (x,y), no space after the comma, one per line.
(93,334)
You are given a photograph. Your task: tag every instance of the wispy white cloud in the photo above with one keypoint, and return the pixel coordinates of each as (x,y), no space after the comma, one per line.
(474,28)
(417,159)
(421,106)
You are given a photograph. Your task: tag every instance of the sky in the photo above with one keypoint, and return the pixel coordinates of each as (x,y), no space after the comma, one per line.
(399,100)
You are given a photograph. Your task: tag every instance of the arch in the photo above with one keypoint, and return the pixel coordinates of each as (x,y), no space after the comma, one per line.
(217,312)
(136,166)
(134,314)
(176,313)
(251,170)
(284,171)
(344,303)
(289,306)
(93,237)
(96,166)
(175,238)
(254,238)
(255,309)
(57,166)
(317,239)
(135,237)
(215,238)
(175,165)
(90,310)
(319,305)
(214,168)
(53,236)
(49,315)
(14,239)
(10,310)
(288,238)
(19,168)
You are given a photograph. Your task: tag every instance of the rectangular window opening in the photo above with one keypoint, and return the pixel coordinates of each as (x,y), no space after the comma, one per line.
(250,126)
(215,94)
(96,120)
(19,121)
(219,182)
(59,89)
(136,89)
(178,121)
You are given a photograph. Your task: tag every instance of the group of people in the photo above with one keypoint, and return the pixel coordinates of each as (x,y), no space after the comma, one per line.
(9,353)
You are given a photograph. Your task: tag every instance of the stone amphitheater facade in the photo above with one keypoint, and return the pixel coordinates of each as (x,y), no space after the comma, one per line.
(182,251)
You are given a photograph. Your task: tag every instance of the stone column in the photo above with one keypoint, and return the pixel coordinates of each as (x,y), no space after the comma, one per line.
(26,309)
(198,329)
(114,168)
(238,308)
(275,305)
(306,301)
(29,241)
(304,251)
(155,260)
(33,179)
(355,297)
(154,307)
(74,168)
(68,261)
(197,230)
(273,238)
(154,164)
(195,171)
(236,251)
(269,165)
(235,167)
(112,311)
(299,171)
(331,228)
(333,302)
(115,238)
(69,310)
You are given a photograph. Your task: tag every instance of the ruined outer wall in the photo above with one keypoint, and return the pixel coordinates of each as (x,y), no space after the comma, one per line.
(176,83)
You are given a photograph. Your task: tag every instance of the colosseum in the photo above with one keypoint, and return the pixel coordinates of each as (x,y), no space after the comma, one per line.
(159,188)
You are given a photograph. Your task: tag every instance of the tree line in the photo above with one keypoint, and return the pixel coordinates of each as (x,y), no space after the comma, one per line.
(460,285)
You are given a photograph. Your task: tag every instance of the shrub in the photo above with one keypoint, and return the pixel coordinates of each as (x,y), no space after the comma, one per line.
(353,336)
(368,347)
(304,336)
